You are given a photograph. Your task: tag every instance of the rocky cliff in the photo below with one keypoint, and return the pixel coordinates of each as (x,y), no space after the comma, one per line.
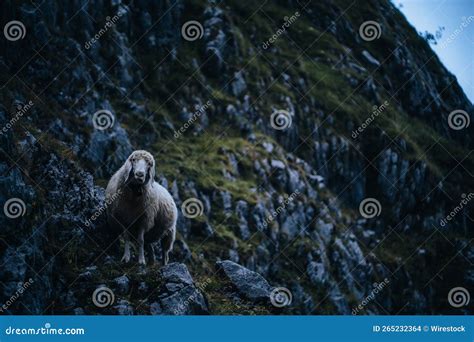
(309,145)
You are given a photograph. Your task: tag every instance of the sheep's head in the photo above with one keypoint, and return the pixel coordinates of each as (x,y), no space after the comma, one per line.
(140,167)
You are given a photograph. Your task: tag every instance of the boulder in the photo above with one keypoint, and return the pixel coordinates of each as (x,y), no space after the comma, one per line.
(179,296)
(249,284)
(176,273)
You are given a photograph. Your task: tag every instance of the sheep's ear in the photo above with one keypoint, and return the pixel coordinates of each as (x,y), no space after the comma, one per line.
(127,170)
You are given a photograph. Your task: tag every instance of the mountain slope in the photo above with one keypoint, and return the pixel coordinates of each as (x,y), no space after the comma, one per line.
(362,118)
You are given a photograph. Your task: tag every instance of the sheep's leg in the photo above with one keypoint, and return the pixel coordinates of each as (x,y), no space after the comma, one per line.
(126,254)
(151,251)
(165,257)
(166,246)
(141,247)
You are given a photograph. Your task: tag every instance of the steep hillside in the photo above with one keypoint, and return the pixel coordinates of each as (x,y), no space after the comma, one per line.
(313,140)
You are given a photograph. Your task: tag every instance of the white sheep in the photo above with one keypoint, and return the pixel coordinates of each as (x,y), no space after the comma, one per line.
(141,207)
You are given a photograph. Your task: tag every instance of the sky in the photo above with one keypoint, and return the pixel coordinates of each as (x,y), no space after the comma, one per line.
(455,48)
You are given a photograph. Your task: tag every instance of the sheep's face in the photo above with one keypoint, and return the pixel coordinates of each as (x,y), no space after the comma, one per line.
(141,168)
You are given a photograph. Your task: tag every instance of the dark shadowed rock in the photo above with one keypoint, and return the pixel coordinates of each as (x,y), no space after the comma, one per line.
(338,300)
(123,283)
(181,251)
(123,308)
(155,308)
(317,273)
(186,301)
(201,228)
(176,273)
(179,295)
(249,284)
(241,210)
(108,149)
